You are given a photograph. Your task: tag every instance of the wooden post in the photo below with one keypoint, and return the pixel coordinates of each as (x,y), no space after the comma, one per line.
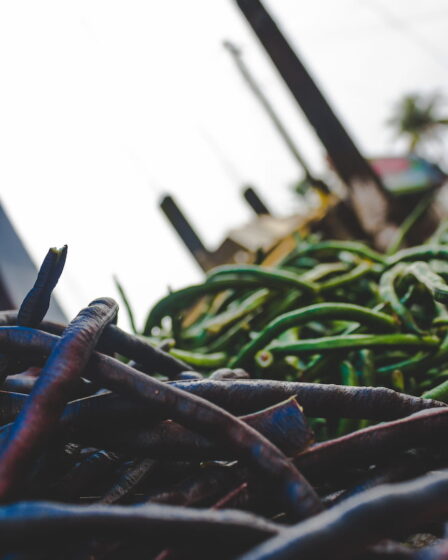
(185,231)
(255,202)
(367,195)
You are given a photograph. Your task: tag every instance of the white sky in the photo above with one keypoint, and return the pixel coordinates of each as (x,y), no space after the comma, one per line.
(104,105)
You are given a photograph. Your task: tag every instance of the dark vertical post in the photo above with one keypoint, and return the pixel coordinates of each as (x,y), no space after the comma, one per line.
(365,189)
(184,230)
(255,202)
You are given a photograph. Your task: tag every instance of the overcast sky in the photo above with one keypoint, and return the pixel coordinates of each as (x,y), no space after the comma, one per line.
(105,105)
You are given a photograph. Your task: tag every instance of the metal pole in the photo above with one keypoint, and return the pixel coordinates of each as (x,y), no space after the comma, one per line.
(267,106)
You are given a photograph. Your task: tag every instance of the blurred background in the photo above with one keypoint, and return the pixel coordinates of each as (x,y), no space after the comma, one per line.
(107,106)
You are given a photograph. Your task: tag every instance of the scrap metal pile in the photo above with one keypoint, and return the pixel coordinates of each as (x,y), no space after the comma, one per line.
(287,412)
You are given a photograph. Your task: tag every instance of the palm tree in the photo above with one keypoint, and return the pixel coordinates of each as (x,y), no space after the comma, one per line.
(418,118)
